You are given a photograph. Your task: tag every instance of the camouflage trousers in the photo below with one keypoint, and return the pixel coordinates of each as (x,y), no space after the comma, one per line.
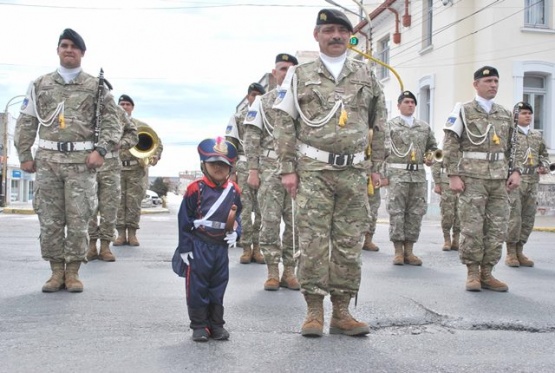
(523,211)
(331,216)
(483,211)
(133,189)
(374,200)
(275,205)
(109,195)
(449,206)
(65,199)
(406,205)
(250,230)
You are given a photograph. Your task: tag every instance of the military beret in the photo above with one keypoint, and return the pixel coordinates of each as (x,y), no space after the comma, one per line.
(524,106)
(484,72)
(74,37)
(333,17)
(126,98)
(284,57)
(406,94)
(256,87)
(217,150)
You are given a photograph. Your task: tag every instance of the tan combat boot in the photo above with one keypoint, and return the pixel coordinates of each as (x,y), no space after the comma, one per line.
(313,325)
(132,237)
(473,278)
(398,260)
(410,258)
(455,241)
(446,241)
(522,259)
(56,281)
(105,253)
(257,254)
(489,282)
(288,279)
(511,260)
(246,258)
(92,252)
(368,244)
(272,283)
(73,284)
(341,320)
(122,238)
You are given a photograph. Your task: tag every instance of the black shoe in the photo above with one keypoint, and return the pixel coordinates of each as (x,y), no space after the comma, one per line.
(201,335)
(219,333)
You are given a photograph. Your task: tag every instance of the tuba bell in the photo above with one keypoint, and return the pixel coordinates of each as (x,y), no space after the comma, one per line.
(147,145)
(436,155)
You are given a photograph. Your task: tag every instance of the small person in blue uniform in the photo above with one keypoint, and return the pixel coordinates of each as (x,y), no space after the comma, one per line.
(209,223)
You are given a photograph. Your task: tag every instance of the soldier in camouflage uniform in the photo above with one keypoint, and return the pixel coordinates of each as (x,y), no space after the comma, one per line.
(532,156)
(326,109)
(109,194)
(250,239)
(374,201)
(410,140)
(448,204)
(275,203)
(134,182)
(61,106)
(477,148)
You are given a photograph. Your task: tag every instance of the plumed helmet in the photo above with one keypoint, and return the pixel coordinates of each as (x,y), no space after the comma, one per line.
(217,150)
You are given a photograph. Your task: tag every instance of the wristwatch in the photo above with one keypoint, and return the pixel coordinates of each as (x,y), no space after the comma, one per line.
(102,151)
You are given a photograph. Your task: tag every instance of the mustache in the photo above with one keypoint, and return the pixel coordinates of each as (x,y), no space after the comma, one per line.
(340,41)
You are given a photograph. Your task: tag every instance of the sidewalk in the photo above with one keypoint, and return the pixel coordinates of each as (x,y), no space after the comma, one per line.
(26,208)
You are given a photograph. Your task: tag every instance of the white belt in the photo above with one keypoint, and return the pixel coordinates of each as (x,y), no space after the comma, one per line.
(242,158)
(269,154)
(66,146)
(485,156)
(405,166)
(129,163)
(209,224)
(339,160)
(113,154)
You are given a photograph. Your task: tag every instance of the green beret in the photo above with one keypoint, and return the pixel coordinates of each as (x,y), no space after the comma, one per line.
(406,94)
(256,87)
(284,57)
(485,72)
(333,17)
(524,106)
(74,37)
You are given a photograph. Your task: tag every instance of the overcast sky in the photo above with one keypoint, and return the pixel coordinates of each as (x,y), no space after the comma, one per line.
(186,64)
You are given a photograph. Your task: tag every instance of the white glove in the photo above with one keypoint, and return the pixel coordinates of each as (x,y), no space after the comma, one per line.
(231,239)
(186,257)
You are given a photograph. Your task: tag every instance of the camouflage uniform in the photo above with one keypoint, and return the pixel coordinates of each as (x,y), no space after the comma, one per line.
(448,204)
(374,201)
(65,189)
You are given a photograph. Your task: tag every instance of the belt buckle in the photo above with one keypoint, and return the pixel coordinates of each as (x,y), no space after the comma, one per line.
(340,160)
(125,163)
(66,146)
(493,157)
(412,167)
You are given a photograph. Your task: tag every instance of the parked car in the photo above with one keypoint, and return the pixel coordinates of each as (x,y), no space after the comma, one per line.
(151,199)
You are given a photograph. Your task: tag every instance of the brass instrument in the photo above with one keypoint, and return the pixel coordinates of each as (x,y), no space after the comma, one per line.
(436,155)
(147,145)
(551,167)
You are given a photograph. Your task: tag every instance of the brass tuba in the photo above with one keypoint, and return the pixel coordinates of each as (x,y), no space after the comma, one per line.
(147,145)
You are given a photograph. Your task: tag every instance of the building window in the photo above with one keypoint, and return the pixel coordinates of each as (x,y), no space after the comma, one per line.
(534,94)
(383,55)
(535,13)
(424,104)
(427,26)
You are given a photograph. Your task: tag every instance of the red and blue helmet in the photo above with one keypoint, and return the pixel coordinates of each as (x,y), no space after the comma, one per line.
(217,150)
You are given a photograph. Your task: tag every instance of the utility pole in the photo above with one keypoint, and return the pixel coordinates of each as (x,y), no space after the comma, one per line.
(5,198)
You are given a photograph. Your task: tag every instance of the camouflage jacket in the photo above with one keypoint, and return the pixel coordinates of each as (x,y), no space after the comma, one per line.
(318,91)
(128,140)
(237,121)
(125,154)
(75,124)
(438,173)
(531,153)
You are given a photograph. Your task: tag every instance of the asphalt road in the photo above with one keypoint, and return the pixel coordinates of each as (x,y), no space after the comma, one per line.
(132,315)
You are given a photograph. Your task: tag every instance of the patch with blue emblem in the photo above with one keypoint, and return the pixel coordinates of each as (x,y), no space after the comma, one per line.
(228,129)
(25,103)
(251,115)
(280,96)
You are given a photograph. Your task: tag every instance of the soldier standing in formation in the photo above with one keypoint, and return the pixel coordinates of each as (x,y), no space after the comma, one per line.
(326,108)
(63,103)
(275,203)
(477,147)
(134,182)
(532,156)
(251,231)
(374,201)
(449,205)
(410,141)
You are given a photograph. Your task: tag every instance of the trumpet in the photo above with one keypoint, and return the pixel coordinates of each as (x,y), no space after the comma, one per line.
(147,145)
(436,155)
(551,167)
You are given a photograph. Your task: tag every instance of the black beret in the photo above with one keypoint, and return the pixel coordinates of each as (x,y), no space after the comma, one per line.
(524,106)
(74,37)
(333,17)
(484,72)
(284,57)
(126,98)
(406,94)
(256,87)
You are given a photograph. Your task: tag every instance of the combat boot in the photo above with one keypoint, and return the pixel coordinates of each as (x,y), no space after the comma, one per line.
(56,281)
(473,278)
(410,258)
(247,254)
(511,260)
(446,241)
(122,238)
(272,283)
(398,260)
(105,253)
(92,252)
(73,284)
(313,325)
(522,259)
(368,244)
(288,279)
(341,320)
(455,241)
(132,237)
(257,254)
(489,282)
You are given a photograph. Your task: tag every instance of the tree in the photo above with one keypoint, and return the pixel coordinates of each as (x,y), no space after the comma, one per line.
(159,186)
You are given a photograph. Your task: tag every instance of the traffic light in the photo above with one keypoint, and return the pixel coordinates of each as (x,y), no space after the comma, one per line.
(353,41)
